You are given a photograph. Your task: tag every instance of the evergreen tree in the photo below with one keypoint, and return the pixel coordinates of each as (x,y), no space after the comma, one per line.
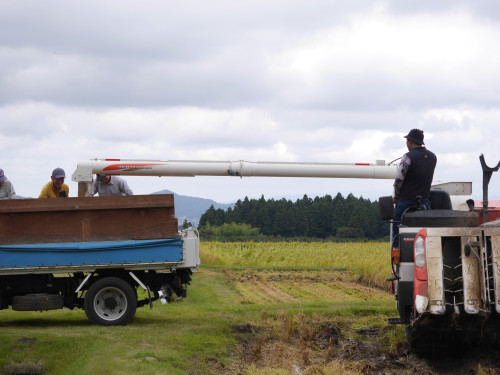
(186,224)
(338,213)
(263,220)
(320,217)
(212,216)
(284,220)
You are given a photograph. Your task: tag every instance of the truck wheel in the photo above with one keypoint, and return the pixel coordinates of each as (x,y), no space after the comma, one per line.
(110,302)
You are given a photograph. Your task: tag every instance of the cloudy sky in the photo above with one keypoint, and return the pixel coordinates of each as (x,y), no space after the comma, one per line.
(284,80)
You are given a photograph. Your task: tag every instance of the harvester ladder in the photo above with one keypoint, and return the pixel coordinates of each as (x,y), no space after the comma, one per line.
(487,264)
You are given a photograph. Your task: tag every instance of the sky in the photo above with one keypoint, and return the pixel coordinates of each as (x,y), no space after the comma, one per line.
(286,80)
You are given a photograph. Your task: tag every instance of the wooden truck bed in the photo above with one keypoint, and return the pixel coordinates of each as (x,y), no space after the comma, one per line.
(78,234)
(87,219)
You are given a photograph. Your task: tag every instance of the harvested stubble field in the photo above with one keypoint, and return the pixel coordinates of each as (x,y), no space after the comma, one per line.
(253,308)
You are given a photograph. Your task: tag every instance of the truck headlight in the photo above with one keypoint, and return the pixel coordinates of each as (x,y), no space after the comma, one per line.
(419,247)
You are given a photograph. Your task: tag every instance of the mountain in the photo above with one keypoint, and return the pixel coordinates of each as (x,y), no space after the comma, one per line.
(191,208)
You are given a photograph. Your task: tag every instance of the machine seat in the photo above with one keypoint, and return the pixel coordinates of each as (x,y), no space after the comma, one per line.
(440,200)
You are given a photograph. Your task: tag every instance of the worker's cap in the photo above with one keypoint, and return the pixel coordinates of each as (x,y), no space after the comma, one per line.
(100,177)
(58,173)
(416,135)
(2,176)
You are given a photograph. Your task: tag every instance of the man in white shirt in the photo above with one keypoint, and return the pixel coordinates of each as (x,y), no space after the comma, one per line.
(6,188)
(108,185)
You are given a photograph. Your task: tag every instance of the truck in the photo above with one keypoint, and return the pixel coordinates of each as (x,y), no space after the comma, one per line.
(94,253)
(97,253)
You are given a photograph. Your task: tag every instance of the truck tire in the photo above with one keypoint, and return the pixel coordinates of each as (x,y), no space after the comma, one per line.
(110,302)
(37,302)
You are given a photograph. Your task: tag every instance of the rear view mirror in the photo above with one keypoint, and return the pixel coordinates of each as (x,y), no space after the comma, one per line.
(386,208)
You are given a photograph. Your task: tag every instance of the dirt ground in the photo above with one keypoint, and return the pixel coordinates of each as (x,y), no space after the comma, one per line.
(307,348)
(300,344)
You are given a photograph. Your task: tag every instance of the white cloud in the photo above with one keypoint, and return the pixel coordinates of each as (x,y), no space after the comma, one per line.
(380,60)
(286,81)
(455,117)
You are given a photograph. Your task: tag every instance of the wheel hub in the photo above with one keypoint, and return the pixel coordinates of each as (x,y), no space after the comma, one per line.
(110,303)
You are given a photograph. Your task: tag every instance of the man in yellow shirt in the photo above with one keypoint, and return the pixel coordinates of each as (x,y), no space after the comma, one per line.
(55,188)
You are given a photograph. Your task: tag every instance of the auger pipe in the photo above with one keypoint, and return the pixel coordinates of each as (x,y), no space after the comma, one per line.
(191,168)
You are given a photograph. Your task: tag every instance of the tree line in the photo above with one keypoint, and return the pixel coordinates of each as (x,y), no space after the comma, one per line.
(321,217)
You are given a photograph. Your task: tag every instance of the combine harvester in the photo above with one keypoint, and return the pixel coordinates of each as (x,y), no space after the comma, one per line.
(446,268)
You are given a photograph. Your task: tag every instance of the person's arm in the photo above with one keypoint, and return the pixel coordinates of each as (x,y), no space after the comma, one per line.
(64,193)
(11,193)
(400,176)
(96,189)
(124,188)
(45,192)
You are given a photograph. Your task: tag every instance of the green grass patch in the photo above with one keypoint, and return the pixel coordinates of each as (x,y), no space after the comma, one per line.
(315,282)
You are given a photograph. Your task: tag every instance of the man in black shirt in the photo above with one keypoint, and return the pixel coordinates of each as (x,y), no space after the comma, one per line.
(414,177)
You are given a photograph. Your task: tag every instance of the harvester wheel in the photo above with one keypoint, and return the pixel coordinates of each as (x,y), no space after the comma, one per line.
(416,341)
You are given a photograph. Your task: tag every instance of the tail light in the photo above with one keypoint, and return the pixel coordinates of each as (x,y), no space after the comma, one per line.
(396,256)
(420,278)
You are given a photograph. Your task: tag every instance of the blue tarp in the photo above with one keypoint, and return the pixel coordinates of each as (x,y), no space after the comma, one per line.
(91,253)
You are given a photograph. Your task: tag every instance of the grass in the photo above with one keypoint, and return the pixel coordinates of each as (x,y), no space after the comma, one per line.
(159,341)
(285,293)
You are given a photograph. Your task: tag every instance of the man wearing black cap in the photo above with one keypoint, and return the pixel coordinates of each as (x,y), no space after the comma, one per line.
(55,188)
(414,177)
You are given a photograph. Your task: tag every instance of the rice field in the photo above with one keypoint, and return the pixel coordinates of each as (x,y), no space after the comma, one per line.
(369,261)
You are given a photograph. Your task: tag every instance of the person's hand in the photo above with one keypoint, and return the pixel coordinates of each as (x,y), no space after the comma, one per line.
(394,200)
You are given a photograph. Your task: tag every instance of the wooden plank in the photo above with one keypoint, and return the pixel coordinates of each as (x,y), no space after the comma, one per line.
(83,203)
(87,219)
